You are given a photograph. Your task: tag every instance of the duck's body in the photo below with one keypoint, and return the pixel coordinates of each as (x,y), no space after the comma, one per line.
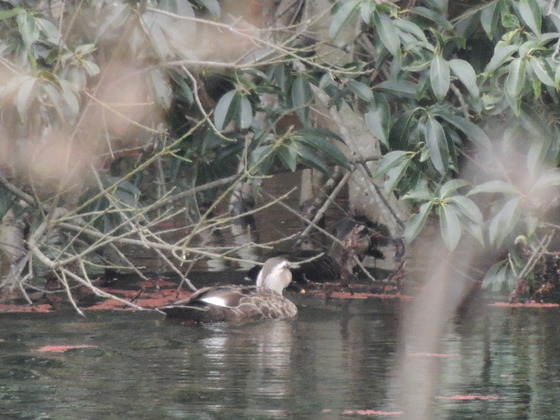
(240,303)
(232,304)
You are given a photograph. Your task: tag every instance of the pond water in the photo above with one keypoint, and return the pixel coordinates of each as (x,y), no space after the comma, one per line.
(335,359)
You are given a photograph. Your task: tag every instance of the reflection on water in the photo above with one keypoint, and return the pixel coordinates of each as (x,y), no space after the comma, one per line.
(248,366)
(333,357)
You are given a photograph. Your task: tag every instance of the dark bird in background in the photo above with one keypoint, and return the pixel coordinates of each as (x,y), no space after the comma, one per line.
(357,236)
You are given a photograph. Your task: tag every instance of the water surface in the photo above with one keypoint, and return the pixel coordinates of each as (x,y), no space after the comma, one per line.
(336,357)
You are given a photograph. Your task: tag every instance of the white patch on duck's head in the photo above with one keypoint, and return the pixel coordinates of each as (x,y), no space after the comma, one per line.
(275,275)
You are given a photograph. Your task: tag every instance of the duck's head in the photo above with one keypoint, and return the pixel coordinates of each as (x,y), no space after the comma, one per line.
(275,274)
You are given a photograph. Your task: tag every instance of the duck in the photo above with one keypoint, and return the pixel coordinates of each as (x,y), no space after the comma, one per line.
(238,303)
(311,266)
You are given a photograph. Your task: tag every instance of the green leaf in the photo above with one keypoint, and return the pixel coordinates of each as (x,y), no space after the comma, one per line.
(309,157)
(489,19)
(451,186)
(25,95)
(417,221)
(85,49)
(90,67)
(434,16)
(419,194)
(439,77)
(387,33)
(543,71)
(494,187)
(400,131)
(377,122)
(550,178)
(327,82)
(497,276)
(341,16)
(557,77)
(475,230)
(394,175)
(474,132)
(516,77)
(261,159)
(532,120)
(6,14)
(28,29)
(56,99)
(49,30)
(212,6)
(391,160)
(532,223)
(510,21)
(437,143)
(71,100)
(282,77)
(224,111)
(157,25)
(182,88)
(468,208)
(464,71)
(530,12)
(514,84)
(502,53)
(537,87)
(450,226)
(301,96)
(161,90)
(402,88)
(288,156)
(115,19)
(318,132)
(367,9)
(181,8)
(244,117)
(407,26)
(503,223)
(323,145)
(536,156)
(361,90)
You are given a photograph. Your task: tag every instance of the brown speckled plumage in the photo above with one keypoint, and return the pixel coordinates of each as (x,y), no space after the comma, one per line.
(240,303)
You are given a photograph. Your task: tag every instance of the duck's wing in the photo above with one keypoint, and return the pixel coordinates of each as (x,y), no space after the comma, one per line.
(265,304)
(247,302)
(231,303)
(224,296)
(209,304)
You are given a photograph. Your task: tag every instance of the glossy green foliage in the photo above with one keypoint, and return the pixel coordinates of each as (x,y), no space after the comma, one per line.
(233,108)
(428,123)
(439,86)
(431,90)
(456,213)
